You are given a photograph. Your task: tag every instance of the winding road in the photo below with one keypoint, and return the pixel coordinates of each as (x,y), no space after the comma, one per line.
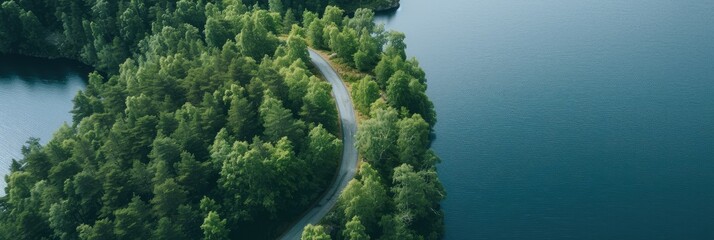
(348,165)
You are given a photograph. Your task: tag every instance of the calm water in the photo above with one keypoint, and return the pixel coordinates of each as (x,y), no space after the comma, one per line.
(570,119)
(35,99)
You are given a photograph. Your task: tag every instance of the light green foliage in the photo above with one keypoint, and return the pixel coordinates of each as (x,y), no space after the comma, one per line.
(365,198)
(297,46)
(363,19)
(333,15)
(308,17)
(254,39)
(364,93)
(386,67)
(413,141)
(376,138)
(367,53)
(259,179)
(214,228)
(412,67)
(354,230)
(329,35)
(315,34)
(345,44)
(398,90)
(323,151)
(297,79)
(396,45)
(313,232)
(416,196)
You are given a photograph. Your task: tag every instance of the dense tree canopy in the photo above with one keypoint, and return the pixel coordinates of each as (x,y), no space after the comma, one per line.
(204,120)
(193,100)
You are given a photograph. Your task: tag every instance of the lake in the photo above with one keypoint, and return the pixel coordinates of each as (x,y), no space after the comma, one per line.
(35,100)
(570,119)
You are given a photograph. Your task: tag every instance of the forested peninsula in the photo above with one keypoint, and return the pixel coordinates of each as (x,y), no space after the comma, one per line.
(206,120)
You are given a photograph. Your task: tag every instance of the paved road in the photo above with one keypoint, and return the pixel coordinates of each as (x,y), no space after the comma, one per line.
(348,166)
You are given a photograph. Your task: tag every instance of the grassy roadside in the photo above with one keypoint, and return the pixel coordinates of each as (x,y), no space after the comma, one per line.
(348,75)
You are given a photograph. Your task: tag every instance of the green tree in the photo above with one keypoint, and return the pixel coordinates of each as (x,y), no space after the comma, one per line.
(396,45)
(405,91)
(278,121)
(193,176)
(345,44)
(417,195)
(367,53)
(366,198)
(297,46)
(132,27)
(32,32)
(12,26)
(363,19)
(413,141)
(298,81)
(36,161)
(167,230)
(62,221)
(333,15)
(395,227)
(88,102)
(167,198)
(315,232)
(354,230)
(386,67)
(376,139)
(322,154)
(330,34)
(398,92)
(275,6)
(364,93)
(214,228)
(308,17)
(319,107)
(288,20)
(133,221)
(241,116)
(420,102)
(315,34)
(102,229)
(200,100)
(255,40)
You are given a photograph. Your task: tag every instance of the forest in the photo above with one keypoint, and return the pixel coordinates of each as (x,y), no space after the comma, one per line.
(206,120)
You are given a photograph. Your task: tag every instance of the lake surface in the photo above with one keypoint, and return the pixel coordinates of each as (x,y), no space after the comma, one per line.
(570,119)
(35,100)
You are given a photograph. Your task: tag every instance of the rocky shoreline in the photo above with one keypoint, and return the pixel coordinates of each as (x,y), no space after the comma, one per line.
(388,6)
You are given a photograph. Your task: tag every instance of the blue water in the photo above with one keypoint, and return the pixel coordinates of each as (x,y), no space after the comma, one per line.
(35,100)
(570,119)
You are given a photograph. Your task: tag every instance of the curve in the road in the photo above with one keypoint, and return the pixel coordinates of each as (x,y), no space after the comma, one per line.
(348,165)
